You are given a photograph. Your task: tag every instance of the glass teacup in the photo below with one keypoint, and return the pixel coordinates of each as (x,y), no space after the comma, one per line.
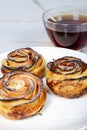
(70,28)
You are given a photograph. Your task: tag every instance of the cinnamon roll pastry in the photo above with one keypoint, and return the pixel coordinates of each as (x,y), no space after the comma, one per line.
(67,77)
(25,59)
(22,94)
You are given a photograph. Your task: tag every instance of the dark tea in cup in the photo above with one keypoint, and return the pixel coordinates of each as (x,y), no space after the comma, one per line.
(69,30)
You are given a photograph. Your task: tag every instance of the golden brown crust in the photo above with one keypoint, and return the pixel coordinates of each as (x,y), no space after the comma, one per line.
(25,59)
(22,94)
(67,77)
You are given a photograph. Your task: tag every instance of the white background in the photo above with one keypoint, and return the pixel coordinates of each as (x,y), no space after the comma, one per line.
(21,22)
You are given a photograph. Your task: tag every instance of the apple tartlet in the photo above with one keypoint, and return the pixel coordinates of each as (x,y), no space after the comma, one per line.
(25,59)
(67,77)
(22,94)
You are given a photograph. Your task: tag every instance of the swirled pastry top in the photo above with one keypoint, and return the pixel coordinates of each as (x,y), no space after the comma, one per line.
(22,94)
(24,59)
(69,67)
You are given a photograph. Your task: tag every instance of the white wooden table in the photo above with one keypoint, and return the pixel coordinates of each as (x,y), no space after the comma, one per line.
(21,23)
